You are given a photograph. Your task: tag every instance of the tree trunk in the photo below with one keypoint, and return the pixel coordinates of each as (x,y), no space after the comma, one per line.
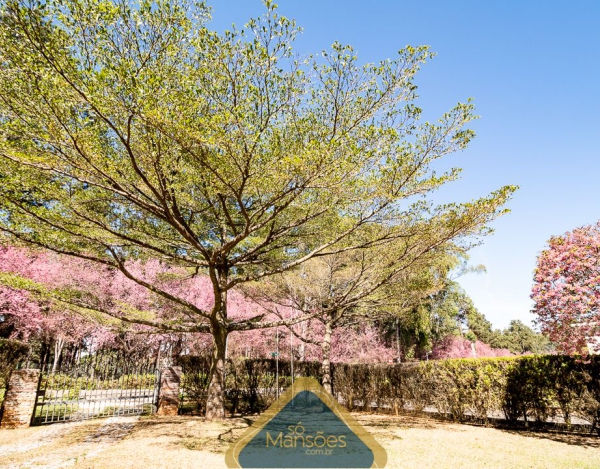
(326,359)
(44,355)
(215,402)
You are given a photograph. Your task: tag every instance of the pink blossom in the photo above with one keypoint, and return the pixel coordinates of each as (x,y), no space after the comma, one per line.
(567,289)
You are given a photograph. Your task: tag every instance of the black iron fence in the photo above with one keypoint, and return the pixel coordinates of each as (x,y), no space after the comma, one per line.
(251,385)
(97,385)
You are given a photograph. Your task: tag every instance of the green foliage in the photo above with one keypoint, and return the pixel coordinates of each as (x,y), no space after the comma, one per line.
(529,389)
(194,382)
(433,317)
(520,338)
(11,352)
(478,324)
(132,130)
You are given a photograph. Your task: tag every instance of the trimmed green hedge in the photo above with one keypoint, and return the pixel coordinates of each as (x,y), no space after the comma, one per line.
(531,389)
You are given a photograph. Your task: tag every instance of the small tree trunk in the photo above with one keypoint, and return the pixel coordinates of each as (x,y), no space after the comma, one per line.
(302,346)
(58,346)
(176,349)
(326,362)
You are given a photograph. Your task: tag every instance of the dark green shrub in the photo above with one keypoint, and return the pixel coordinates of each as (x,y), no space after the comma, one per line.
(194,381)
(11,353)
(590,407)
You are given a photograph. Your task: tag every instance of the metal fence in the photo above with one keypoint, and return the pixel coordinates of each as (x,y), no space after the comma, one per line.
(251,385)
(98,385)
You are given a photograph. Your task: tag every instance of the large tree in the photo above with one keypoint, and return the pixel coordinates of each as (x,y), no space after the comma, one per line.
(130,129)
(519,338)
(435,314)
(566,290)
(356,288)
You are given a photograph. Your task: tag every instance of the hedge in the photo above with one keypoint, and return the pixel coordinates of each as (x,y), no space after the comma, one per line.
(529,389)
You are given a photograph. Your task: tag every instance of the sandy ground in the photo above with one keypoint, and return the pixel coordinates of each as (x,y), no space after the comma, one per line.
(189,442)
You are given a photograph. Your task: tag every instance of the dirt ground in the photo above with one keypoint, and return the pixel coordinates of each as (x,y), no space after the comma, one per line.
(189,442)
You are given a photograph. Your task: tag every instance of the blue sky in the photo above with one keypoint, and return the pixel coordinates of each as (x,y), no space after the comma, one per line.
(533,69)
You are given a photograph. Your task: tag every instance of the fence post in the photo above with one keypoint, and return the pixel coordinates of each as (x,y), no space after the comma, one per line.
(168,394)
(19,401)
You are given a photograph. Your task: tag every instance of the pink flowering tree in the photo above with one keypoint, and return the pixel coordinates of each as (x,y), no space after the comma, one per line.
(32,317)
(50,315)
(459,347)
(71,300)
(60,323)
(358,344)
(17,310)
(566,290)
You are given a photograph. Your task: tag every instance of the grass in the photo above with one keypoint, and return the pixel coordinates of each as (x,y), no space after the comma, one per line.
(190,442)
(55,412)
(58,381)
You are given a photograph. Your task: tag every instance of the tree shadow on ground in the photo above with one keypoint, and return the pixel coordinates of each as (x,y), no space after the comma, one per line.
(586,441)
(402,421)
(193,433)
